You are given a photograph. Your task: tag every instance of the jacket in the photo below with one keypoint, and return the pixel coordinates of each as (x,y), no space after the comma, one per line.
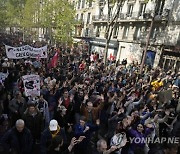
(34,124)
(140,136)
(11,141)
(46,138)
(15,106)
(95,111)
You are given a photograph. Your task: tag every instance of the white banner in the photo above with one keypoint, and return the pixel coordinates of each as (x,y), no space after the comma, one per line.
(25,52)
(31,85)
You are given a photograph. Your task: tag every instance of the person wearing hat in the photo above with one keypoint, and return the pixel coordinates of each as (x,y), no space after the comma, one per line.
(48,134)
(5,63)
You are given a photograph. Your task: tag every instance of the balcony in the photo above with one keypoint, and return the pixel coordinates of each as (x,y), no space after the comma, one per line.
(158,39)
(135,16)
(102,18)
(89,33)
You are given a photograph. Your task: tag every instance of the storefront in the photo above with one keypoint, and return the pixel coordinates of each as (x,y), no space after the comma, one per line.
(130,51)
(98,45)
(170,59)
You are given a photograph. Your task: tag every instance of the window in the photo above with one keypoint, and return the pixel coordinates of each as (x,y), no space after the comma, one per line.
(125,33)
(159,7)
(82,16)
(101,12)
(83,3)
(74,4)
(77,16)
(79,4)
(130,10)
(90,3)
(142,9)
(154,32)
(110,15)
(88,18)
(98,31)
(137,33)
(116,31)
(87,32)
(120,11)
(105,35)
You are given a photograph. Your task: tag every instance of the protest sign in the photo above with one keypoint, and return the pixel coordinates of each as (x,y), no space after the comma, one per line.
(118,139)
(31,85)
(165,96)
(25,52)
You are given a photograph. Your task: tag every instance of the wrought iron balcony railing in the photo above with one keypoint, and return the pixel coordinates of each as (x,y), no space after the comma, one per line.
(133,16)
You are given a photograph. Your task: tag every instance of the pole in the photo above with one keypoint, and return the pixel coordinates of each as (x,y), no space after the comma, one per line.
(146,47)
(106,52)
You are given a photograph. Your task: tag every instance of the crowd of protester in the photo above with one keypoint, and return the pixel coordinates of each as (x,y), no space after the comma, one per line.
(83,105)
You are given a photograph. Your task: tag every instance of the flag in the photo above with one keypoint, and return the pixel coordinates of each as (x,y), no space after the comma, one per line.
(54,61)
(112,58)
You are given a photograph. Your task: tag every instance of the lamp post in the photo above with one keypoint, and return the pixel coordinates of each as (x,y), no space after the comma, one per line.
(150,9)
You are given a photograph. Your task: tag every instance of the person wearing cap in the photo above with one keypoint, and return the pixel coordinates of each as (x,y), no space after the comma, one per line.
(5,63)
(48,134)
(18,140)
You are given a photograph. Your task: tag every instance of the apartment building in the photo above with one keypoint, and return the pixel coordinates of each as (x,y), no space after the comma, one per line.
(131,30)
(170,55)
(84,11)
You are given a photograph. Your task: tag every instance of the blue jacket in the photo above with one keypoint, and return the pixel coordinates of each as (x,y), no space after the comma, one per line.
(79,132)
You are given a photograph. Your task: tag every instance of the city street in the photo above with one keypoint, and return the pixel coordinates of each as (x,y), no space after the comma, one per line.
(90,77)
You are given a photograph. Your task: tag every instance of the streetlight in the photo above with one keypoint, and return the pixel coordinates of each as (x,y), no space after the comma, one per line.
(151,8)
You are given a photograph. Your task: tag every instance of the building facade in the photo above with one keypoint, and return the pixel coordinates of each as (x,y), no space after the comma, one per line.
(132,27)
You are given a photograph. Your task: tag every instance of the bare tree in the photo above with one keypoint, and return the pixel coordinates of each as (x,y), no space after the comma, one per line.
(111,22)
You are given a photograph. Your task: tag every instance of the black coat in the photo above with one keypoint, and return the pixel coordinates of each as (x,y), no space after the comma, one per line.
(46,139)
(59,152)
(176,128)
(18,143)
(34,124)
(62,121)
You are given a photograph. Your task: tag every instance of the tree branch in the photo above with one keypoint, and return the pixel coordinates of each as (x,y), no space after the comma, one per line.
(117,13)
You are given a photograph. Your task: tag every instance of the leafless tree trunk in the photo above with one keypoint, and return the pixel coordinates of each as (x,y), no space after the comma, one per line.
(111,23)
